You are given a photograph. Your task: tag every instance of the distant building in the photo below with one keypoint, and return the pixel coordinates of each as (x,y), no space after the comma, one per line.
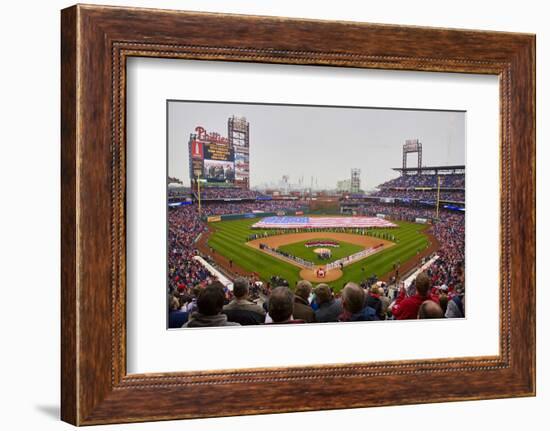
(284,184)
(355,181)
(343,185)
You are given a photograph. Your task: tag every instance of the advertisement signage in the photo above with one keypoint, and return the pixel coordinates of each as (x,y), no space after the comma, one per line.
(217,151)
(411,145)
(220,171)
(220,160)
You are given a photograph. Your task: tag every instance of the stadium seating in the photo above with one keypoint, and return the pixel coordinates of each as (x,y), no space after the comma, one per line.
(220,193)
(423,187)
(446,272)
(426,180)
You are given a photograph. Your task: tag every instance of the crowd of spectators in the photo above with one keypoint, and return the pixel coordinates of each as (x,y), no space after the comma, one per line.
(179,191)
(443,281)
(426,180)
(184,226)
(197,299)
(396,211)
(406,187)
(426,195)
(447,273)
(179,194)
(217,208)
(218,193)
(307,304)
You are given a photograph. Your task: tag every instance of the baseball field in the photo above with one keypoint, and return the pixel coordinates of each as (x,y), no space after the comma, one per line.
(231,239)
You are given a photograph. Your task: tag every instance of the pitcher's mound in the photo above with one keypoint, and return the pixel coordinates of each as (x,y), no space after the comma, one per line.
(311,275)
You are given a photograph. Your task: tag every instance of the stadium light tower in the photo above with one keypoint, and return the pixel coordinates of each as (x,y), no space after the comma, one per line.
(355,182)
(412,146)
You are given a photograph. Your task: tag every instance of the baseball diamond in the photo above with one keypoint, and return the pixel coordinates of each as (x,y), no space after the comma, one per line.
(229,239)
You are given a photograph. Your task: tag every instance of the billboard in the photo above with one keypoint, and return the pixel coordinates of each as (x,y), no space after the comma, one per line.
(238,134)
(242,166)
(211,158)
(411,145)
(218,160)
(218,171)
(212,161)
(218,151)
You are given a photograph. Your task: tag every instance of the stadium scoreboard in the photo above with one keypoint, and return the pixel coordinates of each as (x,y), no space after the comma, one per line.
(218,160)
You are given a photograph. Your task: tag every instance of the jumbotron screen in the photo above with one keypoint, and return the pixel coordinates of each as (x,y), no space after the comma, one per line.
(217,160)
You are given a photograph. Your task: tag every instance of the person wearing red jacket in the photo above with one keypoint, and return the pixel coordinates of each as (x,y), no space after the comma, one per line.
(406,307)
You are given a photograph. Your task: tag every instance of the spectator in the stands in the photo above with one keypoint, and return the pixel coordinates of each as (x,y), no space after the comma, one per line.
(406,307)
(372,299)
(176,316)
(443,301)
(302,309)
(281,306)
(210,305)
(329,308)
(241,309)
(455,307)
(430,310)
(191,305)
(354,305)
(385,300)
(426,180)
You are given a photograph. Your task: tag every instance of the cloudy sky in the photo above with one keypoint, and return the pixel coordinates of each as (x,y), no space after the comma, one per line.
(321,142)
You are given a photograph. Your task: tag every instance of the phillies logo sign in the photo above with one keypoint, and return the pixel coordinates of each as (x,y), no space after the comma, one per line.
(202,135)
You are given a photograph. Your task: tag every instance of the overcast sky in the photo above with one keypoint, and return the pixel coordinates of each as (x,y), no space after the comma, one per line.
(323,142)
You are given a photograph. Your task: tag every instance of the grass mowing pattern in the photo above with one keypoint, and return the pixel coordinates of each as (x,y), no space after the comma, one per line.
(230,237)
(299,249)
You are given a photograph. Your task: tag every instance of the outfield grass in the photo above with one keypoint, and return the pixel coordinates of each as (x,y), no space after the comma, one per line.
(299,249)
(230,237)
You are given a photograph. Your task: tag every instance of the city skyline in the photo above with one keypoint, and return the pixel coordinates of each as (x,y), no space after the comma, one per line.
(323,143)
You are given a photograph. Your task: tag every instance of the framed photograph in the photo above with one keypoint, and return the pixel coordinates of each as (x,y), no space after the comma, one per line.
(292,208)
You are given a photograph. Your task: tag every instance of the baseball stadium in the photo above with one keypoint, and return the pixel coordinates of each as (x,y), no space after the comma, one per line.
(240,251)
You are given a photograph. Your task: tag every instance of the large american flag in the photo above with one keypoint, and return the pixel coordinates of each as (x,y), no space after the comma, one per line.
(290,222)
